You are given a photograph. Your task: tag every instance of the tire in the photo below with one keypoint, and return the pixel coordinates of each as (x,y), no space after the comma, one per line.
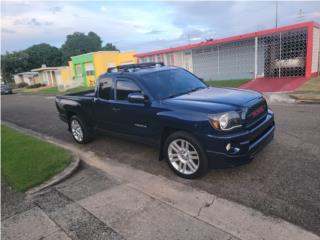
(80,132)
(188,161)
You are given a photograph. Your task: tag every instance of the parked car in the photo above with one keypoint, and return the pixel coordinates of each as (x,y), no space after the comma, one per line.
(193,125)
(6,89)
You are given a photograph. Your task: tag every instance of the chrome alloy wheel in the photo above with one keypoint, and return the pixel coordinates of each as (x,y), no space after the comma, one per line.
(183,156)
(76,130)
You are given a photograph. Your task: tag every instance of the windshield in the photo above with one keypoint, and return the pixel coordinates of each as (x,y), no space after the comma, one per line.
(171,83)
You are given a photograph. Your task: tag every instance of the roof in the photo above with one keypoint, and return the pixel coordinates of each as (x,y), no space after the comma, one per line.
(233,38)
(27,73)
(89,53)
(46,69)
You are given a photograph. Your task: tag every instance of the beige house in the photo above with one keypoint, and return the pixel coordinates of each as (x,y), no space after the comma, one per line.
(48,75)
(27,77)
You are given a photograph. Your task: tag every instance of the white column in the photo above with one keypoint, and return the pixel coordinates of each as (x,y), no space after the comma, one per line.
(280,56)
(255,57)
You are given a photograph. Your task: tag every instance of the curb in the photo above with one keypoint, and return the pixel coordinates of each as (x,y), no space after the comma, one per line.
(68,171)
(241,222)
(278,98)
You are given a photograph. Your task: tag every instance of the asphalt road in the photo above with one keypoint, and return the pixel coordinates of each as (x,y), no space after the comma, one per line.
(283,180)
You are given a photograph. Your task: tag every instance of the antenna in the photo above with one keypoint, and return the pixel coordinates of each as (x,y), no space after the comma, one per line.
(276,13)
(300,16)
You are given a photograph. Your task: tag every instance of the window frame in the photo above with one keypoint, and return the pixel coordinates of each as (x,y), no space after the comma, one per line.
(112,96)
(123,79)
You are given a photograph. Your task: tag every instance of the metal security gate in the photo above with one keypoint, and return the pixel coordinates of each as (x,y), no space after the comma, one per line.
(284,53)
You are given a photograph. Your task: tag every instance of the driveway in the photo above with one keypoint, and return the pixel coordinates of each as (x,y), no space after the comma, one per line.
(283,180)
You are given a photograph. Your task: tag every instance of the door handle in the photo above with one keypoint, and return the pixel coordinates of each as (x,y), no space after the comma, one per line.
(115,109)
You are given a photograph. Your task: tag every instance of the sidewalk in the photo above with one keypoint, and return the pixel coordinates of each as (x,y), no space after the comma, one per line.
(109,200)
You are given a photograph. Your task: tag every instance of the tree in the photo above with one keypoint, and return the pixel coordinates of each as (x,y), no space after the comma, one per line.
(12,63)
(95,40)
(44,54)
(79,43)
(109,47)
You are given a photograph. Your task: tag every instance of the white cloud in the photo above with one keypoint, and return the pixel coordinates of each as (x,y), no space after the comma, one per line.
(141,26)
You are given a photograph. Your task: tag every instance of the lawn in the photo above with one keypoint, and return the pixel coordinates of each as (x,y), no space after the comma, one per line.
(27,161)
(309,91)
(235,83)
(55,91)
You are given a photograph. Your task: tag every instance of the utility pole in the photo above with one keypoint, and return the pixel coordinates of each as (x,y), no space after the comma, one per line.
(276,13)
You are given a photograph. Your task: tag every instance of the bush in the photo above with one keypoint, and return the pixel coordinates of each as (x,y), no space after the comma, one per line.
(22,85)
(37,85)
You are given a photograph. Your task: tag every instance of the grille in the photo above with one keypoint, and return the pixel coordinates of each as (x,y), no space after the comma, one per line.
(256,113)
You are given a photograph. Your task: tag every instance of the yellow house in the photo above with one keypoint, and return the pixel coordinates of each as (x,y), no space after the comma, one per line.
(87,67)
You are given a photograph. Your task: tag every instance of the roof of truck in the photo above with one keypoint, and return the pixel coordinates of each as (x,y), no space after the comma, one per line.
(139,71)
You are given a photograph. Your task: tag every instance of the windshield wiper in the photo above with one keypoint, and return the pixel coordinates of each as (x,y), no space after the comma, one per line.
(196,88)
(175,95)
(186,92)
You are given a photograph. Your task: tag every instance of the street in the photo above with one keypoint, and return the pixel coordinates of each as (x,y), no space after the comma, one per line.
(283,180)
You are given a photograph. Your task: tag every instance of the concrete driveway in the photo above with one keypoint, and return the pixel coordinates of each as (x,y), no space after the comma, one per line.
(282,181)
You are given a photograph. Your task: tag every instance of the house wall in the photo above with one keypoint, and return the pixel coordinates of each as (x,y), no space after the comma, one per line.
(316,51)
(234,60)
(17,79)
(78,62)
(88,67)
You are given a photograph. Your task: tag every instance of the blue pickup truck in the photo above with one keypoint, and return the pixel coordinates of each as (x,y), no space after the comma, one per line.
(194,126)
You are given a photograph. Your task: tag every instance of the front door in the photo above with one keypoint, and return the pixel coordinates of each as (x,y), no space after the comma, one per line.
(134,118)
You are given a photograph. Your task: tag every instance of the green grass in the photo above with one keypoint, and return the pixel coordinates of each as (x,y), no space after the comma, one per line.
(309,91)
(227,83)
(55,91)
(27,161)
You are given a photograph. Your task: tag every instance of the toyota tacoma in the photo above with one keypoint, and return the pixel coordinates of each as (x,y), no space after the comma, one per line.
(194,126)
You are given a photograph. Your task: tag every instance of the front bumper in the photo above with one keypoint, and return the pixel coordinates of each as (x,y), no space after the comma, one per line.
(249,143)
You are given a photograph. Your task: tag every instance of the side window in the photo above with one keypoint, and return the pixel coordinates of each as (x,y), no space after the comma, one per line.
(124,88)
(105,88)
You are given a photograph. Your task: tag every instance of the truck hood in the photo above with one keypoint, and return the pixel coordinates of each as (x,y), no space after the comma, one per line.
(216,98)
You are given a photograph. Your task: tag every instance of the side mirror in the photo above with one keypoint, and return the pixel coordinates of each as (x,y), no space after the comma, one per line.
(137,98)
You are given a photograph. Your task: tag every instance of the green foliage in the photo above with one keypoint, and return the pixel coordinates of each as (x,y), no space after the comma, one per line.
(32,57)
(55,91)
(79,43)
(36,55)
(235,83)
(12,63)
(37,85)
(22,85)
(109,47)
(43,54)
(27,161)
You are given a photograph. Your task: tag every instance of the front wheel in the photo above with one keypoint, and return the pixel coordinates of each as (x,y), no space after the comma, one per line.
(185,155)
(80,132)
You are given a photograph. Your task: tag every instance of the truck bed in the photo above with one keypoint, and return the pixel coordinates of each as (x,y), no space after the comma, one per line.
(88,93)
(79,96)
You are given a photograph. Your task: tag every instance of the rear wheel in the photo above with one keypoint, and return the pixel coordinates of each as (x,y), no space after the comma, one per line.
(185,155)
(80,132)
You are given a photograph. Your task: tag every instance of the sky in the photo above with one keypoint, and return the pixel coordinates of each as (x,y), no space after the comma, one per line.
(143,26)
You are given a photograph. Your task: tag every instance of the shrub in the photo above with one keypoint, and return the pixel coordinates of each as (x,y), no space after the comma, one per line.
(22,85)
(37,85)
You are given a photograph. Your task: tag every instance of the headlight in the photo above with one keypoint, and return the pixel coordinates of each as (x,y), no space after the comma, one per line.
(225,121)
